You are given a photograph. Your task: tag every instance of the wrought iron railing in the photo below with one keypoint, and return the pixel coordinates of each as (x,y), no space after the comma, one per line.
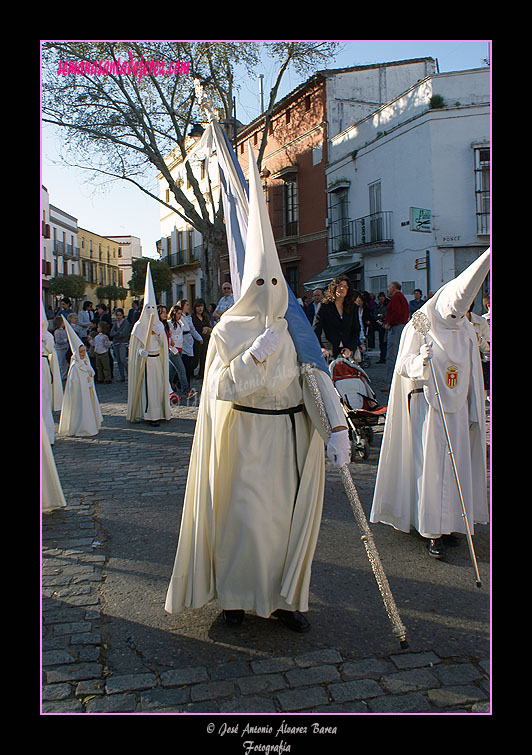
(348,234)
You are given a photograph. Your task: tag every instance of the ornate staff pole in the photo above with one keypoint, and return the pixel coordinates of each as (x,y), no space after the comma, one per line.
(421,323)
(366,536)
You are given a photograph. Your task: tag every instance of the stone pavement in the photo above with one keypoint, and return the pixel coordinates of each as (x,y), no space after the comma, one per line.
(108,646)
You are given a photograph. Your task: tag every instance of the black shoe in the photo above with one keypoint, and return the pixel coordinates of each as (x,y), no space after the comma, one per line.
(293,620)
(451,540)
(234,618)
(436,548)
(154,423)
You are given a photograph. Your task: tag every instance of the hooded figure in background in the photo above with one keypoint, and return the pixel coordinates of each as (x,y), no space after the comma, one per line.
(80,414)
(147,396)
(52,387)
(254,495)
(415,484)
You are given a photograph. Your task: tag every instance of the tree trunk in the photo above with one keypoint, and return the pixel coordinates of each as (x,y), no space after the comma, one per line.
(211,249)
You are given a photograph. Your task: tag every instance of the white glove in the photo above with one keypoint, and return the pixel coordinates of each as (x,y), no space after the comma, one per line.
(265,344)
(426,352)
(143,353)
(339,448)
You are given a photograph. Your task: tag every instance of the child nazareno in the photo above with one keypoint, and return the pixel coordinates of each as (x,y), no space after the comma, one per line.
(80,413)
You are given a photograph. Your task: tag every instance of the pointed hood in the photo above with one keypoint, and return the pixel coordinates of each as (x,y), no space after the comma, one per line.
(264,295)
(73,339)
(140,329)
(455,297)
(449,305)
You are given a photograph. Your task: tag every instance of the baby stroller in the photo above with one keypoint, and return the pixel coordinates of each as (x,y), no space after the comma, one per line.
(360,406)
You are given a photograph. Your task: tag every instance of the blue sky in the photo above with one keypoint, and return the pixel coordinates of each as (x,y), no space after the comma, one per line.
(118,208)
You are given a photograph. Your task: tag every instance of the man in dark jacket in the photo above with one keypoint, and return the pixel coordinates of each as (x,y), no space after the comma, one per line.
(312,307)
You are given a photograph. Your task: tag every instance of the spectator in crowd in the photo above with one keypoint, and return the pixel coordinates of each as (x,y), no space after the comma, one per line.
(119,335)
(190,334)
(65,307)
(397,315)
(486,303)
(134,313)
(74,322)
(482,329)
(225,302)
(312,306)
(380,313)
(61,345)
(337,318)
(364,317)
(178,373)
(103,315)
(369,301)
(102,345)
(85,319)
(416,302)
(202,322)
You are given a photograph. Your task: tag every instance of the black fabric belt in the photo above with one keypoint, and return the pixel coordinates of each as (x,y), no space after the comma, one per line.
(154,355)
(416,390)
(291,411)
(255,410)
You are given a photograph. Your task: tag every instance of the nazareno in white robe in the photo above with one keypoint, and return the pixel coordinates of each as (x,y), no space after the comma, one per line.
(254,494)
(81,413)
(154,401)
(52,492)
(51,386)
(415,484)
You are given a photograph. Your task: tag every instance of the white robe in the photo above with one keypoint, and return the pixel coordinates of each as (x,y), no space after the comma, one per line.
(252,510)
(52,492)
(154,400)
(254,494)
(80,414)
(51,386)
(415,484)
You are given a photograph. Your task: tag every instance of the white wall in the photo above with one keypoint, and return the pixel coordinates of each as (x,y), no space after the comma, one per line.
(423,158)
(353,95)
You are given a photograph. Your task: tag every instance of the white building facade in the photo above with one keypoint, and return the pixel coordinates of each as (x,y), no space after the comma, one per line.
(408,185)
(64,238)
(129,250)
(180,244)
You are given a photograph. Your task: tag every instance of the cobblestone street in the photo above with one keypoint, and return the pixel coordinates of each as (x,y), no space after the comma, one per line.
(109,647)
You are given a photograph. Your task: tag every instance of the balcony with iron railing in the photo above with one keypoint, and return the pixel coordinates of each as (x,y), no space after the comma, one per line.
(365,235)
(65,250)
(183,257)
